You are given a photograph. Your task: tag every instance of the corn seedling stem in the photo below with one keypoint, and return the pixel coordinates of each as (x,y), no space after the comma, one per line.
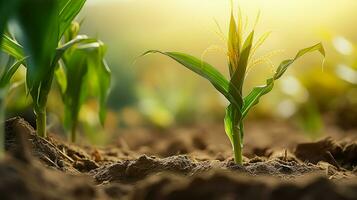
(237,147)
(41,123)
(73,132)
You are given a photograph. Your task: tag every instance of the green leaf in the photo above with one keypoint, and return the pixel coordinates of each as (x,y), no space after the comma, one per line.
(90,76)
(76,69)
(60,73)
(69,9)
(233,124)
(9,72)
(104,76)
(61,78)
(99,75)
(38,22)
(62,49)
(239,75)
(208,72)
(234,130)
(285,64)
(234,41)
(229,122)
(253,97)
(12,48)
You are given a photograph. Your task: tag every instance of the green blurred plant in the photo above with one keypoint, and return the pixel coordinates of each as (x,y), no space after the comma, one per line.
(47,37)
(6,10)
(240,59)
(84,73)
(5,78)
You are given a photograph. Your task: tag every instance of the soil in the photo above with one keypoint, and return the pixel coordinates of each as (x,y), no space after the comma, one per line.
(191,163)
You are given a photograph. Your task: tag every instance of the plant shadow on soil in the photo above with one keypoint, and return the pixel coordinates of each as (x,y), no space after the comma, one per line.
(180,166)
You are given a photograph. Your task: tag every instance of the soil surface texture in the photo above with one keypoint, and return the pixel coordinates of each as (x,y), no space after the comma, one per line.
(190,163)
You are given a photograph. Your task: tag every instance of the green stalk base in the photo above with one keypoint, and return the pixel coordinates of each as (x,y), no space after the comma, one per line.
(238,158)
(237,147)
(41,124)
(73,134)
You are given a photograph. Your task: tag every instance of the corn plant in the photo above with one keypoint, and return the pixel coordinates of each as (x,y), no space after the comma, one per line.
(240,59)
(42,25)
(85,73)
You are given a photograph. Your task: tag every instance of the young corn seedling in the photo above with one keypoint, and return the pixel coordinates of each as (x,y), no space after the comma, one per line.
(83,73)
(240,59)
(42,25)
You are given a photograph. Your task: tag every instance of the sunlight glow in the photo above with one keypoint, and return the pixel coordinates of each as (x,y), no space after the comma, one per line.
(347,73)
(286,108)
(342,45)
(292,86)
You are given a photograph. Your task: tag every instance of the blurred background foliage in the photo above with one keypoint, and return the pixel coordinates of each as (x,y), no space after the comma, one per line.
(155,92)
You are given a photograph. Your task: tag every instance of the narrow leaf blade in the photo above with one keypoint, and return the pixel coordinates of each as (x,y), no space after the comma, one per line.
(9,72)
(254,96)
(233,45)
(239,74)
(208,72)
(12,48)
(38,22)
(69,10)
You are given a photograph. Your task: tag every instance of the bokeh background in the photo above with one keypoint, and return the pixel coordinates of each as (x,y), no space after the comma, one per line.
(155,92)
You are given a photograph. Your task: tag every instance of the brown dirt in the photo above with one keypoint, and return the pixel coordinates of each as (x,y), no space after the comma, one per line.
(180,165)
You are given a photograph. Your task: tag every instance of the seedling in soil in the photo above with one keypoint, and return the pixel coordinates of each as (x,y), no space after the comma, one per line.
(240,60)
(43,24)
(84,72)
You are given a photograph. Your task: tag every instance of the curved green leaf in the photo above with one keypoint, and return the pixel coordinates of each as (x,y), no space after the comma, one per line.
(62,49)
(60,52)
(253,97)
(60,76)
(69,9)
(38,22)
(15,50)
(99,75)
(76,70)
(9,72)
(11,47)
(208,72)
(89,75)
